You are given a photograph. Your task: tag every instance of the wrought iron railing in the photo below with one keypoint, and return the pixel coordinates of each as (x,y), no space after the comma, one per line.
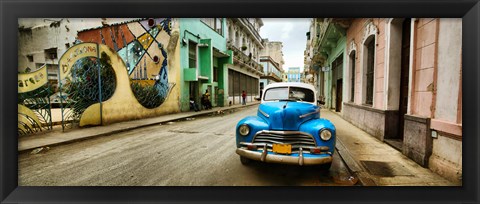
(38,102)
(242,59)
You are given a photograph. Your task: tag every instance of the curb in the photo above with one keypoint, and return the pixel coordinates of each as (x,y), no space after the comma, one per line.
(139,126)
(353,166)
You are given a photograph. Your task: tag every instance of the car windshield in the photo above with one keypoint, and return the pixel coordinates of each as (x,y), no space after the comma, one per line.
(289,93)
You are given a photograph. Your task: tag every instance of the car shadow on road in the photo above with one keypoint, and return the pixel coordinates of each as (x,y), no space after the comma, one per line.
(293,175)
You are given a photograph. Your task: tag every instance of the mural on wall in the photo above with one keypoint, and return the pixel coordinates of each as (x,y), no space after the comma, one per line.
(34,108)
(142,47)
(86,79)
(105,75)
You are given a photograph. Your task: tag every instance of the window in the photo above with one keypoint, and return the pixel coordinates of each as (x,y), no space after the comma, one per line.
(215,74)
(218,25)
(51,53)
(192,54)
(30,58)
(352,76)
(370,70)
(215,23)
(237,39)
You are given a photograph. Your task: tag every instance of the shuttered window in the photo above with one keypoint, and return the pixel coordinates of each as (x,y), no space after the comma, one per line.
(352,77)
(370,71)
(192,54)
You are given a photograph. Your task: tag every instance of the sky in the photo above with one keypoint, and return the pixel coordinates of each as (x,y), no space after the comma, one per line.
(290,31)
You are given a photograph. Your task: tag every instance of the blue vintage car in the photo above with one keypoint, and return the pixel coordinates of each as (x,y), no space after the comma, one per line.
(287,129)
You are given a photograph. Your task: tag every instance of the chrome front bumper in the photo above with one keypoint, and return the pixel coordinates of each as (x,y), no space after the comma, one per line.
(284,159)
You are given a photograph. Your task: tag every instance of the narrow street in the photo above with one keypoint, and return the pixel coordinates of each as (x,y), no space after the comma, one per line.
(194,152)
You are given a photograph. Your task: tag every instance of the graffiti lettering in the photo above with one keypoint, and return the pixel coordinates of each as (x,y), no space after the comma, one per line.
(91,50)
(31,81)
(75,53)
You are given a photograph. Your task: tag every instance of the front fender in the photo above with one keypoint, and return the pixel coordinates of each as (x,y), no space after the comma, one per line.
(314,126)
(255,123)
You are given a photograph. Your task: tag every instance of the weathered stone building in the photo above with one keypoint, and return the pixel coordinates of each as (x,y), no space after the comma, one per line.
(271,71)
(271,58)
(244,74)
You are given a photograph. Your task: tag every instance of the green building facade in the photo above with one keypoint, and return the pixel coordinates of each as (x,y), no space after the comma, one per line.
(203,60)
(332,45)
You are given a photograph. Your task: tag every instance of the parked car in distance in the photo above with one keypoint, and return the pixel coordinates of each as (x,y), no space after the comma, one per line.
(287,128)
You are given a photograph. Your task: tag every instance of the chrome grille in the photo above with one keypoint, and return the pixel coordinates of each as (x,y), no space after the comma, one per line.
(295,138)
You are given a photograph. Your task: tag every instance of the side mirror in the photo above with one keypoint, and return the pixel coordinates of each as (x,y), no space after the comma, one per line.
(257,98)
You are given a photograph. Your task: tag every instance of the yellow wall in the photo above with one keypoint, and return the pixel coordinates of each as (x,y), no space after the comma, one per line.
(123,105)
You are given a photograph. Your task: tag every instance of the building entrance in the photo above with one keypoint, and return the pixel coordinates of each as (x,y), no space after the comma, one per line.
(403,103)
(337,79)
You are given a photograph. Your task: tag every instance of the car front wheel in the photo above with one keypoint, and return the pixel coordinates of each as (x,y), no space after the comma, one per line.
(244,160)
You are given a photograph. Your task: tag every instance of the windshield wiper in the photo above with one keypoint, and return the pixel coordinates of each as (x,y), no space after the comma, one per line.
(287,100)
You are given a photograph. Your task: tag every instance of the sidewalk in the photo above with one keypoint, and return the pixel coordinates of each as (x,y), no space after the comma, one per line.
(56,136)
(376,163)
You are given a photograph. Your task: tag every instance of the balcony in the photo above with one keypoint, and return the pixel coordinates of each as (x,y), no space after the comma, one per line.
(329,31)
(271,76)
(241,59)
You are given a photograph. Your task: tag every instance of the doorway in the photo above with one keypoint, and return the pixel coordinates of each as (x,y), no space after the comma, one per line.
(398,78)
(338,107)
(404,76)
(194,92)
(337,77)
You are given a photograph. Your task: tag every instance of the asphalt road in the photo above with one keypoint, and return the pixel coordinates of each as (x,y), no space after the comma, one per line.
(198,152)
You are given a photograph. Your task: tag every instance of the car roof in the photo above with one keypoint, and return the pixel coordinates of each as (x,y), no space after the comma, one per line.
(294,84)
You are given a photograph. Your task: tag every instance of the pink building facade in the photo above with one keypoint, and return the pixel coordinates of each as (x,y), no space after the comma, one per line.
(403,86)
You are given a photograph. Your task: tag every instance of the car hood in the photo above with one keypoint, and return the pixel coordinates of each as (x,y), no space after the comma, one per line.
(287,115)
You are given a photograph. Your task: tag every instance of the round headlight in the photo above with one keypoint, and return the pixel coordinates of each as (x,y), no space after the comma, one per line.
(244,130)
(325,134)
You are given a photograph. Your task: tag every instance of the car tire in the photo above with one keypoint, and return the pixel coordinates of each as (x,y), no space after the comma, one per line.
(245,160)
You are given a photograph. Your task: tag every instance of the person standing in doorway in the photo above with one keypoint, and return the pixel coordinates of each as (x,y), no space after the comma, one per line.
(244,98)
(206,100)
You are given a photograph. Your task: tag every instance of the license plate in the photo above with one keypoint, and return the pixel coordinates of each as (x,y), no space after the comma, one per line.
(282,148)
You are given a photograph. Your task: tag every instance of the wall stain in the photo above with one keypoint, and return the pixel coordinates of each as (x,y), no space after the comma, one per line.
(430,87)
